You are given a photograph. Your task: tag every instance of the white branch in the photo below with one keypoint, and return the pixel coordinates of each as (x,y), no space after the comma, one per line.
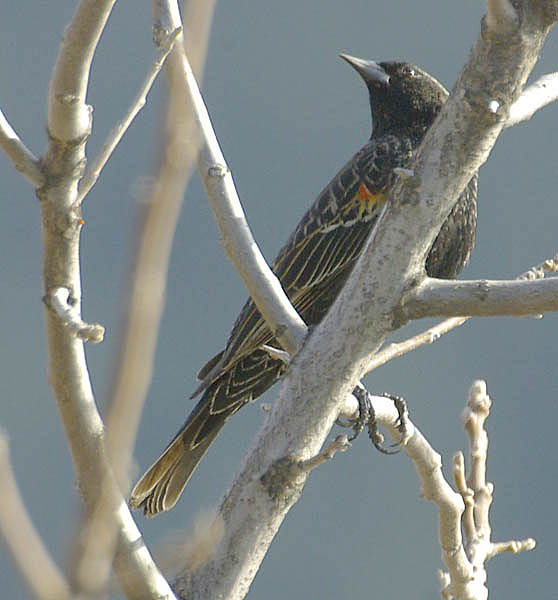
(466,577)
(240,246)
(434,333)
(428,336)
(118,131)
(147,286)
(68,124)
(68,116)
(22,158)
(534,97)
(146,298)
(450,506)
(482,298)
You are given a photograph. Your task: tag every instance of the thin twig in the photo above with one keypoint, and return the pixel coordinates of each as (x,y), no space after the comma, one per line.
(30,555)
(22,158)
(550,265)
(118,131)
(338,444)
(428,336)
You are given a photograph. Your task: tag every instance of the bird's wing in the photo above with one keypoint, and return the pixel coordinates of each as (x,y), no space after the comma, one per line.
(317,258)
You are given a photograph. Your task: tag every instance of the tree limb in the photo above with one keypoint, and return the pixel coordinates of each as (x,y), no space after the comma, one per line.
(68,125)
(118,131)
(240,246)
(434,333)
(482,298)
(148,281)
(146,294)
(534,97)
(466,558)
(22,158)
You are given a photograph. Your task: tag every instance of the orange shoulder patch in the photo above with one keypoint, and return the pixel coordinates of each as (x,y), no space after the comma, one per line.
(368,201)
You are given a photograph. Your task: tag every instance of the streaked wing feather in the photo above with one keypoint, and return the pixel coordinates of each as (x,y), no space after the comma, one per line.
(327,240)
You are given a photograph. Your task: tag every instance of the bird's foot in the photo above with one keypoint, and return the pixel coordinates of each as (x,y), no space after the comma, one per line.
(367,418)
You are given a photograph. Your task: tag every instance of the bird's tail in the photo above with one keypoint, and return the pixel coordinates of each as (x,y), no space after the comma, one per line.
(161,485)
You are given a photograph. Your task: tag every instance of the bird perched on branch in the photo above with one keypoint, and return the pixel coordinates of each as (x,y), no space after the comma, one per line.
(314,264)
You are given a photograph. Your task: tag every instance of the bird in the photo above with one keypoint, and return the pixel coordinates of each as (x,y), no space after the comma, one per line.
(314,264)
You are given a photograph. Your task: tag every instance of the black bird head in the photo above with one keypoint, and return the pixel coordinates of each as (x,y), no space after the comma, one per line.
(402,96)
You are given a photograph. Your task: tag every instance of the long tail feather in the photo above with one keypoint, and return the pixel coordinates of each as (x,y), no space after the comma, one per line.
(161,486)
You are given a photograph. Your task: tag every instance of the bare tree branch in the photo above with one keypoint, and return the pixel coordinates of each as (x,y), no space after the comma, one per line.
(68,116)
(334,357)
(147,287)
(550,265)
(534,97)
(429,336)
(240,246)
(118,131)
(482,298)
(30,556)
(22,158)
(466,559)
(434,333)
(68,125)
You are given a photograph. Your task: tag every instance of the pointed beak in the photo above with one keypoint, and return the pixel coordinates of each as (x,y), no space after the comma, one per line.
(369,70)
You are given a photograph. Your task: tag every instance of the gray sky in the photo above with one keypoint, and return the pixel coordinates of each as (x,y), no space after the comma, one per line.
(288,114)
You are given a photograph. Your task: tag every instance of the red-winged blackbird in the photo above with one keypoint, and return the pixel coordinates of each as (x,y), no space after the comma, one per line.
(315,263)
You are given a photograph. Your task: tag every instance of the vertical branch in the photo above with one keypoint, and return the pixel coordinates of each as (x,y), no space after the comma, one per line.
(69,124)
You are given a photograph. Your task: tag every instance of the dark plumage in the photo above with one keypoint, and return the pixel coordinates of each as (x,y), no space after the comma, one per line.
(315,263)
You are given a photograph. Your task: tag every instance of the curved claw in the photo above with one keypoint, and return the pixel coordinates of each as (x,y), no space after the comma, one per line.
(365,411)
(367,418)
(403,426)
